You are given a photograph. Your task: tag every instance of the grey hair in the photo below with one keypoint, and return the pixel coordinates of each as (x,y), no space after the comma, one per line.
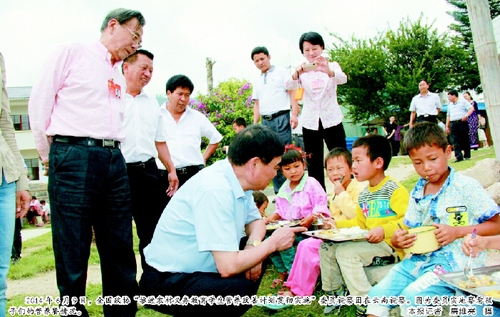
(122,16)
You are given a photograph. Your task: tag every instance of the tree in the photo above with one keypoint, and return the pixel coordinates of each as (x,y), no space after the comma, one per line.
(462,27)
(231,99)
(383,73)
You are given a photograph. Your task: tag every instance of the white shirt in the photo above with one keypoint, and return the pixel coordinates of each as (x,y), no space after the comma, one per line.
(271,92)
(320,97)
(143,127)
(425,104)
(184,137)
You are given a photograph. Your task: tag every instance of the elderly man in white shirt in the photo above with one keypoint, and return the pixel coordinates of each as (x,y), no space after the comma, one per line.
(424,106)
(185,128)
(145,140)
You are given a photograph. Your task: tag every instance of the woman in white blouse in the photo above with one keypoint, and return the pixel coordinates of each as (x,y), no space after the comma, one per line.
(321,115)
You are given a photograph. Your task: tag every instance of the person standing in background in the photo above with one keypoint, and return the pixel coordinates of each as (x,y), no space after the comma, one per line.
(76,112)
(321,116)
(390,131)
(272,101)
(14,196)
(458,126)
(473,122)
(425,106)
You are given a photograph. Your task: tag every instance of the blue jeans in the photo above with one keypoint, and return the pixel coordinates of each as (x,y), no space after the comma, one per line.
(7,216)
(88,188)
(410,278)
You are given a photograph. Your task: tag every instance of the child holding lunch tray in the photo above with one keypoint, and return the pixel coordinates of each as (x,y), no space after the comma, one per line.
(454,204)
(305,269)
(300,198)
(380,206)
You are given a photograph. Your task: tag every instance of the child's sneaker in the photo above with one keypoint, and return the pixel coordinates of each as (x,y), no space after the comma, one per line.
(360,311)
(341,291)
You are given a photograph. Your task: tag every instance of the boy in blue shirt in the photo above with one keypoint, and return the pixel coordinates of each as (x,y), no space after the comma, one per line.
(432,202)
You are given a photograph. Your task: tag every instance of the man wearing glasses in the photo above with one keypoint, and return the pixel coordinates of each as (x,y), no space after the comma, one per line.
(76,111)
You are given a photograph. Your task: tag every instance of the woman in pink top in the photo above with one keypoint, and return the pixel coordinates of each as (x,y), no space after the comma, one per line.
(321,115)
(300,198)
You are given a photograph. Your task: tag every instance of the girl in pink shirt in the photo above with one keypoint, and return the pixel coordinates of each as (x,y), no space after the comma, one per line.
(300,198)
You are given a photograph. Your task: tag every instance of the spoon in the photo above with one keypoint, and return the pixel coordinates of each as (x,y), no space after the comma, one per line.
(468,269)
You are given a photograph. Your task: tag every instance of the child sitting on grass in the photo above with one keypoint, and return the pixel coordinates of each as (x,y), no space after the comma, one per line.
(261,201)
(380,206)
(299,198)
(453,203)
(305,269)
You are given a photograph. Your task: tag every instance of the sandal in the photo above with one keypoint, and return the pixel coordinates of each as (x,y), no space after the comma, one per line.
(285,291)
(277,283)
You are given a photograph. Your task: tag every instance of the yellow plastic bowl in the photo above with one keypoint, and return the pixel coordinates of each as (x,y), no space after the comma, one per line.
(426,240)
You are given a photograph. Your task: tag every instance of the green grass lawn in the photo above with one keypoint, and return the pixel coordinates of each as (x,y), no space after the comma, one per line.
(38,258)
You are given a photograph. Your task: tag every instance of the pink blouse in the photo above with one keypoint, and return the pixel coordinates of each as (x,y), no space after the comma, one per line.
(307,198)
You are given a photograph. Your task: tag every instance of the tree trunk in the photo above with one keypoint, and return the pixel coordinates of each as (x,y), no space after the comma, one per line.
(487,58)
(210,79)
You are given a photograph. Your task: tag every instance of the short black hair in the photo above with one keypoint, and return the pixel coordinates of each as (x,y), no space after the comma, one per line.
(260,49)
(177,81)
(423,79)
(337,152)
(255,141)
(123,16)
(424,133)
(42,201)
(311,37)
(453,92)
(291,156)
(240,121)
(376,146)
(259,198)
(133,57)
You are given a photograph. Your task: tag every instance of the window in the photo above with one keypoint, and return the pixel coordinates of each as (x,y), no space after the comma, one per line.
(21,122)
(33,168)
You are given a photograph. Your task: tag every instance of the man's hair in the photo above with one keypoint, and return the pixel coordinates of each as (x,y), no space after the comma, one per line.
(423,79)
(376,146)
(311,37)
(122,16)
(453,92)
(339,152)
(424,133)
(255,141)
(258,50)
(240,121)
(259,198)
(133,57)
(42,201)
(177,81)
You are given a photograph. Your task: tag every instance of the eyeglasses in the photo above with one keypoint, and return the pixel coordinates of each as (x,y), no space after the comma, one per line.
(136,37)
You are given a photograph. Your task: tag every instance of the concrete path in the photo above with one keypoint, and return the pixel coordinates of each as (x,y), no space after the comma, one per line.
(35,232)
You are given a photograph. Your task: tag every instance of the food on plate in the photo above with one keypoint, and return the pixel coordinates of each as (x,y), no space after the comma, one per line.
(493,293)
(271,226)
(476,281)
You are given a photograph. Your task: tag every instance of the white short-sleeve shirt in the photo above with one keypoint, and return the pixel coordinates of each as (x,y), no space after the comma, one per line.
(270,90)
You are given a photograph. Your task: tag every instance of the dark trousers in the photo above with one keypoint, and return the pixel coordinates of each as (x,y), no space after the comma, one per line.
(427,119)
(280,125)
(147,196)
(395,147)
(157,283)
(183,174)
(459,131)
(88,188)
(17,245)
(313,142)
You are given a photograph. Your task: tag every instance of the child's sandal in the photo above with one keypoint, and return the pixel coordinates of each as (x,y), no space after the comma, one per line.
(277,283)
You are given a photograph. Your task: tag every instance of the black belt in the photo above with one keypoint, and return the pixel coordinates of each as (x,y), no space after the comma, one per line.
(459,120)
(299,135)
(141,165)
(86,141)
(275,115)
(189,169)
(426,115)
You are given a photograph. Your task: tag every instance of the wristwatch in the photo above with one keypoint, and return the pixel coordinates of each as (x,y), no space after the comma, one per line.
(253,242)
